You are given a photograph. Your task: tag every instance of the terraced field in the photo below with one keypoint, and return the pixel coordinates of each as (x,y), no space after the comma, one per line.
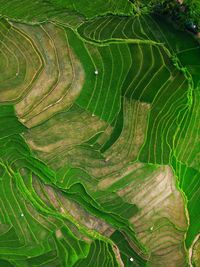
(99,137)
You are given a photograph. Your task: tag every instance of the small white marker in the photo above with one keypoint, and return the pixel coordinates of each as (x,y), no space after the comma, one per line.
(17,74)
(151,228)
(131,259)
(96,72)
(22,214)
(93,115)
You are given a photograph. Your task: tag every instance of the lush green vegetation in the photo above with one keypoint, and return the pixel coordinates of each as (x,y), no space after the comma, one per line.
(99,134)
(183,13)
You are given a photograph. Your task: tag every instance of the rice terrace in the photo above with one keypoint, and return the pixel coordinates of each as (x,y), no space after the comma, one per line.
(100,133)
